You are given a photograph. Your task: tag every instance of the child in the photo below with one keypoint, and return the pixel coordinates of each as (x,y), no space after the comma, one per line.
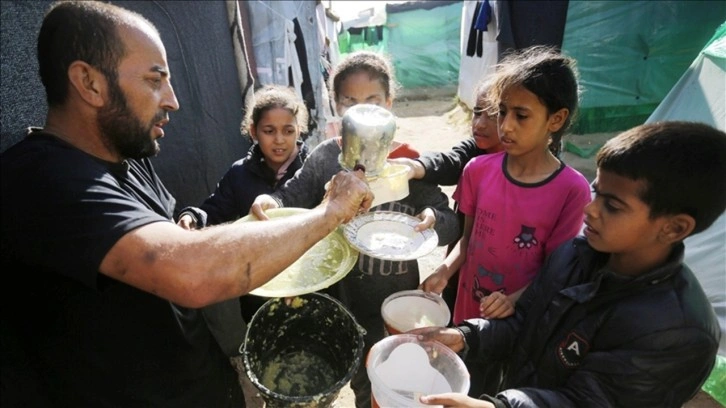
(522,203)
(274,119)
(365,78)
(445,168)
(615,318)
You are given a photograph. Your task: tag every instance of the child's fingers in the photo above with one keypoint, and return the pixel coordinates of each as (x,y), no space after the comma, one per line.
(427,217)
(496,306)
(434,284)
(499,312)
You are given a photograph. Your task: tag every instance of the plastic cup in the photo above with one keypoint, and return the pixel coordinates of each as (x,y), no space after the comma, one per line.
(412,309)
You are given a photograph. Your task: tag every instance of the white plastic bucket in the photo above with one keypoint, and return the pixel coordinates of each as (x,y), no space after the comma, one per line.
(432,368)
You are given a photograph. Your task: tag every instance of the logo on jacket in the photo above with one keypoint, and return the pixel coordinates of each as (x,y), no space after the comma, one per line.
(572,350)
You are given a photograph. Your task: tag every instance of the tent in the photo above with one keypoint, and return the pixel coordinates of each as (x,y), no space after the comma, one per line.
(217,56)
(422,38)
(629,53)
(700,96)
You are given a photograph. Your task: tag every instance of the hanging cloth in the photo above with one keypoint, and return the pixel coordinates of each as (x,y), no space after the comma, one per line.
(291,59)
(479,22)
(306,87)
(474,35)
(484,16)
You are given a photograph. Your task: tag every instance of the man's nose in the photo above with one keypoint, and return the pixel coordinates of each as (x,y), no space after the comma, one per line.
(169,101)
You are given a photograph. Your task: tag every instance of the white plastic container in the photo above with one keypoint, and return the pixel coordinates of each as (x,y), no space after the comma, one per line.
(412,309)
(430,368)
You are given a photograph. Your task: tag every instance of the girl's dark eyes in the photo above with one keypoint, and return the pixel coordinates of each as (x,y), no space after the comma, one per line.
(272,131)
(519,116)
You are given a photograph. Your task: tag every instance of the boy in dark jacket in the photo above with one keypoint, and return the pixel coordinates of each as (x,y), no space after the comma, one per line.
(615,318)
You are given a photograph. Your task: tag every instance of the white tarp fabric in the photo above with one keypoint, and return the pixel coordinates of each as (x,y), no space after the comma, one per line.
(375,16)
(287,50)
(475,67)
(700,96)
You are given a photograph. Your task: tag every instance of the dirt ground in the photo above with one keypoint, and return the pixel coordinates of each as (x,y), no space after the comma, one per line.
(437,124)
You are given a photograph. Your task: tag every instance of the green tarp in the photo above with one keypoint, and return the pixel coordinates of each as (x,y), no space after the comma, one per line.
(631,53)
(422,41)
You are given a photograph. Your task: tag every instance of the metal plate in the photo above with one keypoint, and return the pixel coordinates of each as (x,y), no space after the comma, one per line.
(324,264)
(390,235)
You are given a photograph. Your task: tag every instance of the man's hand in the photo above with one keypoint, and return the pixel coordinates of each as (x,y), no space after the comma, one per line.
(261,204)
(348,195)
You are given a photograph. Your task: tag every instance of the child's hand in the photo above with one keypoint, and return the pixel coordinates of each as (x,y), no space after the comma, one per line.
(187,222)
(496,306)
(261,204)
(450,337)
(455,400)
(416,170)
(436,282)
(332,127)
(428,219)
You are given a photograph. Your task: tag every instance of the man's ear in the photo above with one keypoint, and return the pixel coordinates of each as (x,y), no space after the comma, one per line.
(87,82)
(677,228)
(558,119)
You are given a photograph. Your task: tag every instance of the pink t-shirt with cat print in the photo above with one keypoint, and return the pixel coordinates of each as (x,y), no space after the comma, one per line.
(516,226)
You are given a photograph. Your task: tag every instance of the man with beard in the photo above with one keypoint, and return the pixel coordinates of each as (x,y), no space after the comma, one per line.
(111,287)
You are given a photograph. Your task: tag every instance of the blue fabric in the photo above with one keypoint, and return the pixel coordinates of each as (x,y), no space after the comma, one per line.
(484,16)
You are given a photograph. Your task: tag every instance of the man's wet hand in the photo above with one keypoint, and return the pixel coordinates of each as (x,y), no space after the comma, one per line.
(348,195)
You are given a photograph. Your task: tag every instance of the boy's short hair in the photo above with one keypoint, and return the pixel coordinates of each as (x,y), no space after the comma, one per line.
(682,165)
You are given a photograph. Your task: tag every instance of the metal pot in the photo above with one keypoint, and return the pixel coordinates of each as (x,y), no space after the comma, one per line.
(367,132)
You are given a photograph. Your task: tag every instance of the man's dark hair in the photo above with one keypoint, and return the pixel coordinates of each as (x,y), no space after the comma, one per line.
(682,166)
(79,30)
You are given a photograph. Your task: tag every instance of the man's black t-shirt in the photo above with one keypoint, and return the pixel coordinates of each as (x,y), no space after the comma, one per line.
(92,340)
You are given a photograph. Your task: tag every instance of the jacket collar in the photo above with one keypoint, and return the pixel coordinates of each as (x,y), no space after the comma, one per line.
(602,280)
(255,161)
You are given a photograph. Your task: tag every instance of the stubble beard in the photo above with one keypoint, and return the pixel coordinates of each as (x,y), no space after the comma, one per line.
(122,132)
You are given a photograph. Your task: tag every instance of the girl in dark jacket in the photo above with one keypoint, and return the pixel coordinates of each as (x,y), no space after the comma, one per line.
(274,119)
(274,122)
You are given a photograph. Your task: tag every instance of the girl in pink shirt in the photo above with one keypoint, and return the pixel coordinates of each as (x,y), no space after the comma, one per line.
(519,204)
